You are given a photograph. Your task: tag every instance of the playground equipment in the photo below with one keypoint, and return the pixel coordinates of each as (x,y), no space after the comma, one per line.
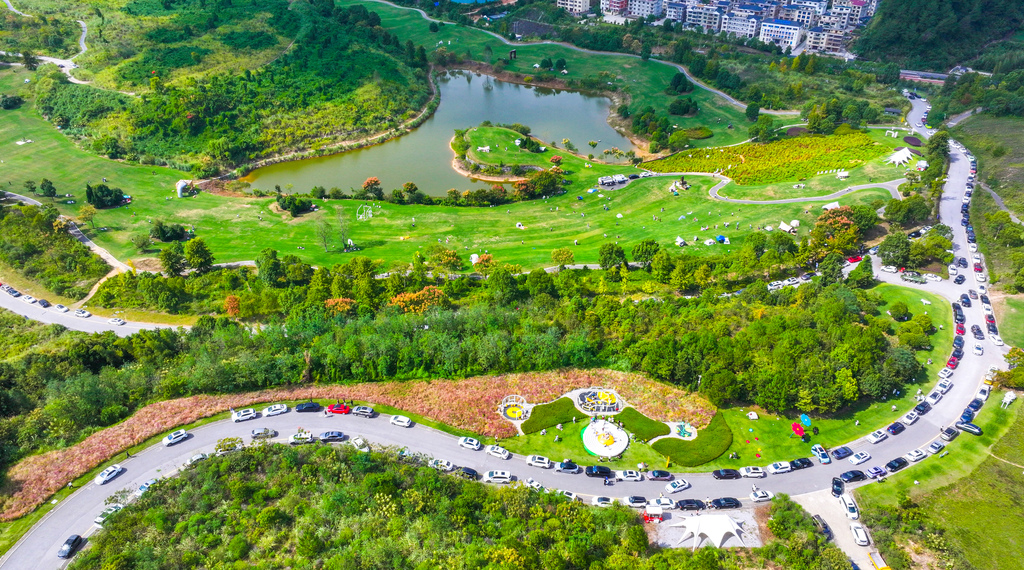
(513,408)
(599,401)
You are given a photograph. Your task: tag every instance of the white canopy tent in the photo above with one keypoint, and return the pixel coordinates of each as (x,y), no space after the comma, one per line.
(901,157)
(716,529)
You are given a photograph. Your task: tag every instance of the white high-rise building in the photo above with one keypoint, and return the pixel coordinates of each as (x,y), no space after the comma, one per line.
(574,6)
(705,16)
(781,32)
(741,26)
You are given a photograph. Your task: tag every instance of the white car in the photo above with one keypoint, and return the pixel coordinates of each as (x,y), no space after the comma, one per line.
(243,415)
(116,322)
(972,246)
(29,299)
(983,392)
(275,410)
(780,468)
(915,456)
(360,444)
(860,536)
(401,421)
(952,270)
(111,509)
(442,465)
(909,419)
(498,451)
(849,506)
(176,436)
(534,484)
(860,457)
(628,475)
(196,459)
(538,461)
(877,436)
(761,496)
(944,386)
(982,290)
(301,438)
(602,501)
(497,477)
(752,472)
(890,269)
(980,277)
(996,339)
(945,373)
(469,443)
(676,486)
(663,502)
(932,277)
(60,308)
(976,258)
(933,398)
(145,487)
(83,314)
(569,495)
(108,474)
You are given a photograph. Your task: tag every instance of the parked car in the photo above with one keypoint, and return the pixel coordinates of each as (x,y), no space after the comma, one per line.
(849,507)
(842,452)
(822,526)
(628,475)
(332,437)
(933,398)
(602,502)
(116,322)
(108,474)
(497,477)
(876,472)
(896,464)
(597,471)
(959,279)
(853,476)
(725,503)
(567,467)
(821,454)
(360,444)
(752,472)
(801,463)
(275,410)
(915,455)
(860,457)
(60,308)
(877,436)
(308,407)
(144,487)
(690,505)
(243,415)
(442,465)
(70,546)
(82,314)
(635,501)
(538,461)
(43,303)
(761,496)
(364,411)
(176,436)
(780,467)
(659,475)
(936,447)
(676,486)
(948,433)
(910,418)
(401,421)
(838,487)
(467,473)
(922,408)
(469,443)
(301,438)
(944,386)
(196,459)
(860,536)
(726,474)
(339,408)
(969,428)
(498,451)
(896,428)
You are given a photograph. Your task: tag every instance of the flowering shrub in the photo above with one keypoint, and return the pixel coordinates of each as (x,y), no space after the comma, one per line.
(340,306)
(470,404)
(421,301)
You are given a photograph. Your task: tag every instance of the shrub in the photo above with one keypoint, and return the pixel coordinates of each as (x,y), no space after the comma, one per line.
(710,444)
(643,427)
(561,411)
(701,132)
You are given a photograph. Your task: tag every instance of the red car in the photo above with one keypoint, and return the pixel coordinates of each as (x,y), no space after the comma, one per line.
(989,318)
(339,409)
(978,268)
(952,362)
(854,259)
(960,329)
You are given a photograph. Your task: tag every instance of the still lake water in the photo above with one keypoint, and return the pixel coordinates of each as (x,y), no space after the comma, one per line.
(424,157)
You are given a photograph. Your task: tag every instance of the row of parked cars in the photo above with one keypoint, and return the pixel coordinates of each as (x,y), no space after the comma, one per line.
(29,299)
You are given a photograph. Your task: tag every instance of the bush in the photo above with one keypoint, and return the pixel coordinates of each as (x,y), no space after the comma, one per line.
(561,411)
(698,133)
(643,427)
(710,444)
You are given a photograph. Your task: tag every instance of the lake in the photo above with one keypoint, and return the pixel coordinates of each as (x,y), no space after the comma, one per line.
(424,157)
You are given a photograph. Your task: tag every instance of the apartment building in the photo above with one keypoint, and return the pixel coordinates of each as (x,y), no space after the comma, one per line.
(614,6)
(825,40)
(706,17)
(644,8)
(806,16)
(574,6)
(858,8)
(783,33)
(819,6)
(675,11)
(834,20)
(741,26)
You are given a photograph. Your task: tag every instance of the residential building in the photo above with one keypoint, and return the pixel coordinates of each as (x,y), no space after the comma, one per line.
(644,8)
(744,10)
(675,11)
(781,32)
(614,6)
(803,15)
(741,26)
(819,6)
(858,8)
(705,17)
(574,6)
(834,20)
(825,40)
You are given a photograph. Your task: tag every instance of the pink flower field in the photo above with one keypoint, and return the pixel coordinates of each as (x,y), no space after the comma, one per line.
(470,404)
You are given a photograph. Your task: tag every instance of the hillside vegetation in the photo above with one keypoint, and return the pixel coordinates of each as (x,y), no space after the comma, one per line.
(937,34)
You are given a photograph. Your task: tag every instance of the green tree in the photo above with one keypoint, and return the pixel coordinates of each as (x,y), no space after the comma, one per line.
(763,129)
(895,249)
(662,266)
(269,267)
(87,213)
(562,256)
(753,112)
(198,255)
(863,275)
(610,255)
(141,242)
(831,269)
(502,286)
(678,140)
(898,311)
(172,259)
(324,233)
(47,189)
(645,251)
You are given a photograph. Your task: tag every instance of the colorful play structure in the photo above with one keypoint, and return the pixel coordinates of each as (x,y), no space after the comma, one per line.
(599,401)
(514,408)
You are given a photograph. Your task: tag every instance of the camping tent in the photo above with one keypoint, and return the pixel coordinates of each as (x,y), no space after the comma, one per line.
(830,206)
(716,529)
(900,158)
(784,226)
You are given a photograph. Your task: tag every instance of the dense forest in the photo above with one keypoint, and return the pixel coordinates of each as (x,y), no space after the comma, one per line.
(343,77)
(937,34)
(336,508)
(35,243)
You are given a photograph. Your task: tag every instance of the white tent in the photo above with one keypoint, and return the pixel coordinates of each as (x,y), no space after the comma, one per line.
(716,529)
(795,223)
(830,206)
(784,226)
(901,157)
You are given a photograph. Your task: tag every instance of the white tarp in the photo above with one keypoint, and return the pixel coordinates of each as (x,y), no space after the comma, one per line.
(901,157)
(716,529)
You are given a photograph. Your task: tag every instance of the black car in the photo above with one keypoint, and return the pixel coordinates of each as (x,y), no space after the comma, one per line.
(822,526)
(841,452)
(726,474)
(984,300)
(896,464)
(725,503)
(70,546)
(958,353)
(690,505)
(659,476)
(959,280)
(958,341)
(948,433)
(801,463)
(896,428)
(466,473)
(332,436)
(853,476)
(308,407)
(969,428)
(976,330)
(967,416)
(923,408)
(992,328)
(633,176)
(962,262)
(838,487)
(959,318)
(971,238)
(43,303)
(598,471)
(976,404)
(964,221)
(914,234)
(965,300)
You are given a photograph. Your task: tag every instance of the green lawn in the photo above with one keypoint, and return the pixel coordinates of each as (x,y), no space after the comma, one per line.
(643,427)
(643,81)
(571,447)
(1011,320)
(561,411)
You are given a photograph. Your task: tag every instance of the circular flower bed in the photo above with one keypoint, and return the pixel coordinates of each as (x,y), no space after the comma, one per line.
(912,141)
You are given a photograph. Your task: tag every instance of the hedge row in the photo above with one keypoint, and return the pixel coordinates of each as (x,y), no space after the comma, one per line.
(643,427)
(711,443)
(561,411)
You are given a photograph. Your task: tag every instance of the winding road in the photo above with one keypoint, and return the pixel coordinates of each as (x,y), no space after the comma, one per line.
(66,65)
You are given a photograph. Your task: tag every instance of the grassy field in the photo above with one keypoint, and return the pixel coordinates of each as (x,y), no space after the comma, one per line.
(571,447)
(998,143)
(643,81)
(1010,311)
(234,230)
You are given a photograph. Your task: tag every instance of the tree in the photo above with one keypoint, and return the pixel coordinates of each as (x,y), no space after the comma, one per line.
(433,27)
(753,112)
(831,269)
(895,249)
(645,251)
(141,242)
(560,63)
(562,256)
(343,227)
(198,255)
(172,259)
(30,186)
(546,63)
(763,129)
(645,52)
(502,286)
(898,311)
(86,214)
(231,305)
(611,255)
(863,275)
(269,267)
(678,140)
(29,60)
(47,189)
(324,233)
